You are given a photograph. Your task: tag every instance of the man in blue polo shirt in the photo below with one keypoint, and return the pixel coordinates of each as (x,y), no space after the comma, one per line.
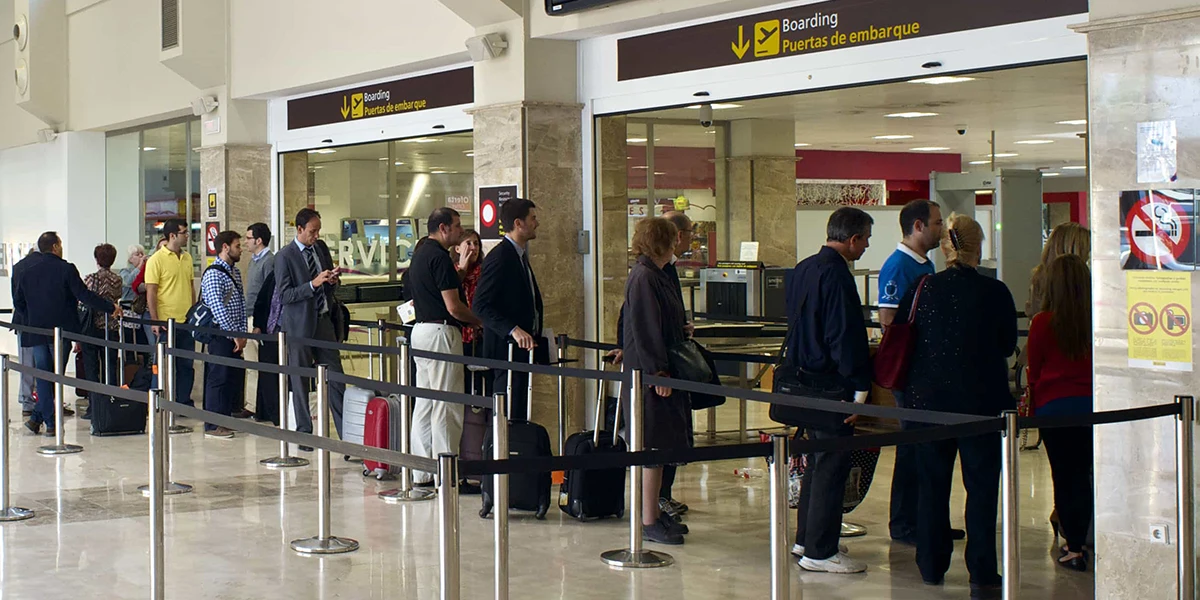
(921,224)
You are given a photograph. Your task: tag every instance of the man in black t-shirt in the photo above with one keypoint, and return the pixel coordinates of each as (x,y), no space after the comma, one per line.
(441,312)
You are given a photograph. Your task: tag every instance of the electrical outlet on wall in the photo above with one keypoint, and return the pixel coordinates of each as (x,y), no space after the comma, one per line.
(1160,534)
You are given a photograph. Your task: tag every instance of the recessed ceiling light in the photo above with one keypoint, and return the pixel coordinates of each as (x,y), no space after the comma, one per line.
(929,149)
(942,80)
(1034,142)
(471,154)
(383,158)
(910,115)
(1051,174)
(641,167)
(437,172)
(980,162)
(322,151)
(1004,155)
(893,137)
(149,149)
(1075,168)
(398,163)
(1073,122)
(635,140)
(421,140)
(659,173)
(802,145)
(717,106)
(985,192)
(318,167)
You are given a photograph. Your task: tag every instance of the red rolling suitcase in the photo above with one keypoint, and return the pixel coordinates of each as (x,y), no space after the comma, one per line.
(382,430)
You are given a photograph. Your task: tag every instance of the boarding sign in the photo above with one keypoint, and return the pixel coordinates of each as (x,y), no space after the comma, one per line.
(820,27)
(436,90)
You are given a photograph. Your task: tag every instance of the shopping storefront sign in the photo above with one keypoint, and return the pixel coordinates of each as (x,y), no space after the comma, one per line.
(436,90)
(818,28)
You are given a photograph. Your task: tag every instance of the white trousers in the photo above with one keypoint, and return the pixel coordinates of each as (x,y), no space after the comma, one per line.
(437,426)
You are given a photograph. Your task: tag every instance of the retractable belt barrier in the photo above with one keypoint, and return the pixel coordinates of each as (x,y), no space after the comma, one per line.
(83,384)
(505,365)
(113,344)
(404,390)
(27,329)
(239,363)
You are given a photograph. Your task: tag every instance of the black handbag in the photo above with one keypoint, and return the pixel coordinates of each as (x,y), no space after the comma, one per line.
(791,380)
(701,401)
(686,362)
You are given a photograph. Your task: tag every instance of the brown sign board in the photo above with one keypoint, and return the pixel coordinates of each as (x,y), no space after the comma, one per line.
(437,90)
(820,27)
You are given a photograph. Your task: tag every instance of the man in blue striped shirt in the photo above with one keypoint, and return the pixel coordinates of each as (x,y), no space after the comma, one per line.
(221,291)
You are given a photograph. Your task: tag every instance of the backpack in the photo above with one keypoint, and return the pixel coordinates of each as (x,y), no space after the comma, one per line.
(201,315)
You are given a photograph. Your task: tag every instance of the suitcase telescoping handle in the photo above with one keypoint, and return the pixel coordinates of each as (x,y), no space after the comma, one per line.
(600,385)
(528,383)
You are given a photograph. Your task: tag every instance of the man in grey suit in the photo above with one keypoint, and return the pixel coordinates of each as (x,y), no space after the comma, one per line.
(305,278)
(265,392)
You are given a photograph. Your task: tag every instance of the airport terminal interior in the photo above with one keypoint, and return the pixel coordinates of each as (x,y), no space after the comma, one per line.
(756,120)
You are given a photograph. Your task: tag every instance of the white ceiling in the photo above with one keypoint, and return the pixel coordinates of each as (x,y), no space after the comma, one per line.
(1019,104)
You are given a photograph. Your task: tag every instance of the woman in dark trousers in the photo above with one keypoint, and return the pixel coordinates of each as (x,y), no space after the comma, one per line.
(1060,378)
(966,328)
(654,321)
(266,397)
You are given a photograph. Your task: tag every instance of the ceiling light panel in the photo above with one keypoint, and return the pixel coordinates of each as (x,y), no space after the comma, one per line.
(911,115)
(1034,142)
(893,137)
(929,149)
(1073,122)
(942,80)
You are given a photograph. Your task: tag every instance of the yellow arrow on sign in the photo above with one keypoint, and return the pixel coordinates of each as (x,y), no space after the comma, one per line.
(345,108)
(742,45)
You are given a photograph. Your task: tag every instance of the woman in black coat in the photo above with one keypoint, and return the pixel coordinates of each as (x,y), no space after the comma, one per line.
(654,321)
(966,328)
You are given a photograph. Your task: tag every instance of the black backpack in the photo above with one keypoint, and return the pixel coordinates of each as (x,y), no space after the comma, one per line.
(201,315)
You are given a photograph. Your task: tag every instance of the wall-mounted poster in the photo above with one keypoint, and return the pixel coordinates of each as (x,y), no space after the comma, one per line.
(1160,320)
(1158,230)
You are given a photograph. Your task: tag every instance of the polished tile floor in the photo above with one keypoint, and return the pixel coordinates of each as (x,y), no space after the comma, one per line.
(229,539)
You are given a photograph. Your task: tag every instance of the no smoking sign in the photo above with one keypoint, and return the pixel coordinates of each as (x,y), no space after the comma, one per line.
(1157,230)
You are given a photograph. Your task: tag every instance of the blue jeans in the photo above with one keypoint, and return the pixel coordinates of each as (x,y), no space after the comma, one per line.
(185,371)
(43,411)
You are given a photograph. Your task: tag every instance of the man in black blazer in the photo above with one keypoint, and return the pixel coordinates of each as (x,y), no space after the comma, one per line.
(46,291)
(508,299)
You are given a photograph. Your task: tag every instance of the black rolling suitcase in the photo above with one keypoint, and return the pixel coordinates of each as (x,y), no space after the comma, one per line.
(594,493)
(526,491)
(118,416)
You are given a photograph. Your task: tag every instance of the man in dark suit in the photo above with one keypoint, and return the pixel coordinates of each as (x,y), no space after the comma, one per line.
(508,299)
(306,279)
(46,291)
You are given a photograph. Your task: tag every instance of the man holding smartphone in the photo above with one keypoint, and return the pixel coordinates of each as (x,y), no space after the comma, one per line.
(306,280)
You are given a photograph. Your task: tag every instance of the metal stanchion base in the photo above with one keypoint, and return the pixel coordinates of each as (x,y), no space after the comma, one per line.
(15,513)
(332,545)
(646,559)
(175,429)
(279,462)
(58,450)
(170,489)
(853,530)
(414,495)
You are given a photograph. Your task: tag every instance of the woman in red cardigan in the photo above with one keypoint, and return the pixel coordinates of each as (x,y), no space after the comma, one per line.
(1060,379)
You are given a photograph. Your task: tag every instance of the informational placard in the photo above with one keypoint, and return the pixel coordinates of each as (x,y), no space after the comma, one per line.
(820,27)
(436,90)
(491,198)
(1160,320)
(1157,152)
(211,230)
(212,203)
(749,252)
(1158,230)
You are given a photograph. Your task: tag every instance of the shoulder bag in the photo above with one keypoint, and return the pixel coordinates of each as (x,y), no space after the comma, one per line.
(686,362)
(896,348)
(792,380)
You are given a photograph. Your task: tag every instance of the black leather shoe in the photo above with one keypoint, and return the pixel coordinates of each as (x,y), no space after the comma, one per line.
(242,414)
(958,534)
(659,534)
(34,427)
(671,525)
(986,591)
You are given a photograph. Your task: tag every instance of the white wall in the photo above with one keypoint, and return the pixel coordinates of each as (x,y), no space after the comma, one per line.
(282,47)
(115,77)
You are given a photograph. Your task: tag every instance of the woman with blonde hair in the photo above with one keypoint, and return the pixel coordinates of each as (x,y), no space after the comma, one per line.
(654,321)
(1060,377)
(1068,238)
(966,328)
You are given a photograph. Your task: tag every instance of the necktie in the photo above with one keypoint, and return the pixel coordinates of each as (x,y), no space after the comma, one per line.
(537,317)
(313,270)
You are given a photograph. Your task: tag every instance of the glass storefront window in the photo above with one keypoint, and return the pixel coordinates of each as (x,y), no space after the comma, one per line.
(374,198)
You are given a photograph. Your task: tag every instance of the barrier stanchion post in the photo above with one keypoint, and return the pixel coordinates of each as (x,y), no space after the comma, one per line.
(562,395)
(1185,483)
(284,460)
(323,543)
(508,390)
(635,556)
(371,355)
(382,344)
(780,577)
(7,511)
(59,447)
(406,492)
(1010,513)
(121,352)
(157,434)
(447,479)
(172,392)
(169,487)
(500,494)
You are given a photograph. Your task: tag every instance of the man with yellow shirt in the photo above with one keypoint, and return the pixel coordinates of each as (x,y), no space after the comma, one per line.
(169,295)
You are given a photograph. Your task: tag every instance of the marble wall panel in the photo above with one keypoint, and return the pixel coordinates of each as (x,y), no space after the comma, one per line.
(762,207)
(613,236)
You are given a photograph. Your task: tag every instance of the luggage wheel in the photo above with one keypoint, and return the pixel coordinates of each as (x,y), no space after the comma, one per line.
(366,472)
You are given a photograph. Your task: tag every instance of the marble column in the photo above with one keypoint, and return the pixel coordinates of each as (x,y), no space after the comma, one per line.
(1141,68)
(762,190)
(241,176)
(295,188)
(613,235)
(538,145)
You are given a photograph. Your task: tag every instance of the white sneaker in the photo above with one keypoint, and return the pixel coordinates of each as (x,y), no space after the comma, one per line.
(839,563)
(798,550)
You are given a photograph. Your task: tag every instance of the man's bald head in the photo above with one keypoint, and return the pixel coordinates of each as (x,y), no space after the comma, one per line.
(684,225)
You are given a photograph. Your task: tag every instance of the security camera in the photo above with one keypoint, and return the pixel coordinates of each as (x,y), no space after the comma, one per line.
(706,115)
(961,129)
(203,105)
